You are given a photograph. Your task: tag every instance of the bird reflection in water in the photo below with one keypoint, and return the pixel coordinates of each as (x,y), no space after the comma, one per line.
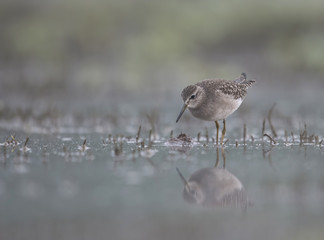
(214,187)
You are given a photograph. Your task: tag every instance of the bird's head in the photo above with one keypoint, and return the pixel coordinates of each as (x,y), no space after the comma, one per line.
(192,97)
(192,192)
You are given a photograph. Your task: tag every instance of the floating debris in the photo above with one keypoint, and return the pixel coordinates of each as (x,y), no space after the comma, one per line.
(182,143)
(11,142)
(182,137)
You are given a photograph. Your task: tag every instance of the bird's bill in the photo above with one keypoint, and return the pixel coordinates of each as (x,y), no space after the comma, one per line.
(185,182)
(182,111)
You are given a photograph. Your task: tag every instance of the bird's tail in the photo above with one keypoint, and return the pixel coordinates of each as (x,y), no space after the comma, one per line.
(242,80)
(248,83)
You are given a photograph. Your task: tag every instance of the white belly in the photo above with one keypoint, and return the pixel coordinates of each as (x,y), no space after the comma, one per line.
(217,109)
(225,108)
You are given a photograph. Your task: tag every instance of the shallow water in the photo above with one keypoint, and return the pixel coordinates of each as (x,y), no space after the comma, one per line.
(122,186)
(56,188)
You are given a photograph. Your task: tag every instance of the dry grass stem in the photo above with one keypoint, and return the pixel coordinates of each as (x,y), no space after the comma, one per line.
(138,133)
(270,122)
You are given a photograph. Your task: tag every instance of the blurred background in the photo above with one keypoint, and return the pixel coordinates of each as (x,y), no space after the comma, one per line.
(60,51)
(78,78)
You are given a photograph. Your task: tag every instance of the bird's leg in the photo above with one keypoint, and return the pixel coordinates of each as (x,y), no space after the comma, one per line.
(223,132)
(217,128)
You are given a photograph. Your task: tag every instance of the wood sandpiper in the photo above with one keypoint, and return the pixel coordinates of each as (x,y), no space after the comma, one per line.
(215,99)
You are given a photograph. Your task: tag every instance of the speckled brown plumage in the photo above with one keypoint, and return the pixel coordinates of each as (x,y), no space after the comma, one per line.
(237,90)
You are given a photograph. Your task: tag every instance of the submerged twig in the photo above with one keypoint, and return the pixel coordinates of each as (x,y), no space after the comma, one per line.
(271,139)
(263,128)
(152,118)
(25,144)
(133,154)
(303,135)
(311,138)
(4,155)
(252,139)
(207,137)
(45,154)
(118,148)
(244,136)
(84,145)
(270,122)
(138,133)
(67,155)
(150,139)
(25,149)
(266,153)
(244,133)
(286,137)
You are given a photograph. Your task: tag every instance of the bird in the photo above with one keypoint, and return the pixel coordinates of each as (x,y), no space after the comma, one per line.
(215,99)
(214,187)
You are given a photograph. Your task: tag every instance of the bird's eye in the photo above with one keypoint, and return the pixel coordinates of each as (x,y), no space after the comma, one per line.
(193,96)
